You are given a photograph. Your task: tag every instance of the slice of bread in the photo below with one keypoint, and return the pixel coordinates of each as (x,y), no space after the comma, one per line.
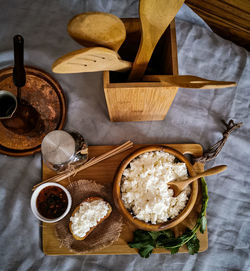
(90,199)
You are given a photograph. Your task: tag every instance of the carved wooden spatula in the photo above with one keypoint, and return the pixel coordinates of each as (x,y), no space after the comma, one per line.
(91,59)
(155,16)
(188,81)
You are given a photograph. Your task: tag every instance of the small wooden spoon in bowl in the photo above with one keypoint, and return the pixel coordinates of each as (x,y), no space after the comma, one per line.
(179,186)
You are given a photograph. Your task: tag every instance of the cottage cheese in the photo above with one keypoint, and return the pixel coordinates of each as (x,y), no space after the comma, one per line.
(88,215)
(145,191)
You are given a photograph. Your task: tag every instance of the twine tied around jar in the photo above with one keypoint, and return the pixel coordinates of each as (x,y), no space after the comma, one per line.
(71,167)
(216,148)
(72,170)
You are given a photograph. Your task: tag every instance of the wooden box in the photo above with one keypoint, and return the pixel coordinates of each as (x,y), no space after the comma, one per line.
(142,101)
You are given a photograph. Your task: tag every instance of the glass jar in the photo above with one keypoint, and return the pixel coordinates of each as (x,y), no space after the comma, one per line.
(62,150)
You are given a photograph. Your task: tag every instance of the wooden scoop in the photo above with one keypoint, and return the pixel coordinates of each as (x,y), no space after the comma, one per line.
(97,29)
(188,81)
(155,17)
(179,186)
(90,60)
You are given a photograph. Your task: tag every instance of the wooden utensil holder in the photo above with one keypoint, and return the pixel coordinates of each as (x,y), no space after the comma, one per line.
(142,101)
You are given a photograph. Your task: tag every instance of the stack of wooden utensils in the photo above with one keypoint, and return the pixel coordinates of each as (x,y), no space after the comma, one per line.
(102,35)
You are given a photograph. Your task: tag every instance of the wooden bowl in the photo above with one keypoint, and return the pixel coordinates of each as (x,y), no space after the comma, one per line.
(139,223)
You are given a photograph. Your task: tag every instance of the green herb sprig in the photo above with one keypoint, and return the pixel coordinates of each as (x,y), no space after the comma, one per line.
(146,241)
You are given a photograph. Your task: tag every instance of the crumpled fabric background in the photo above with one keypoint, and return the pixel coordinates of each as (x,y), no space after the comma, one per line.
(194,117)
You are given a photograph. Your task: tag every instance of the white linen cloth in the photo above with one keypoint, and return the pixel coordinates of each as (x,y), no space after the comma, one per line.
(194,117)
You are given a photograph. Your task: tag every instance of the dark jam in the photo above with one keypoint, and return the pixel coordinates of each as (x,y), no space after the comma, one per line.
(52,202)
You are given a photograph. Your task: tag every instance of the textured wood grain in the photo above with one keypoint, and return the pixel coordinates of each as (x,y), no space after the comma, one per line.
(91,59)
(228,18)
(188,81)
(155,17)
(92,29)
(103,173)
(142,101)
(138,101)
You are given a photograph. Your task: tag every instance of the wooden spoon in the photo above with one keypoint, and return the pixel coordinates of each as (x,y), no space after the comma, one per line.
(188,81)
(179,186)
(90,60)
(155,17)
(97,29)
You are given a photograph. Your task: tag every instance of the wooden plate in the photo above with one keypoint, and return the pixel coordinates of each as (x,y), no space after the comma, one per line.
(46,96)
(104,173)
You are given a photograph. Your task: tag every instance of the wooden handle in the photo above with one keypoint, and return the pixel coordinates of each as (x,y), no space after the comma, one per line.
(188,81)
(212,171)
(208,172)
(141,61)
(155,17)
(19,76)
(179,186)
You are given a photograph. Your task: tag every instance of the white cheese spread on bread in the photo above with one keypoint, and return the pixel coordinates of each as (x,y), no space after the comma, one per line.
(87,216)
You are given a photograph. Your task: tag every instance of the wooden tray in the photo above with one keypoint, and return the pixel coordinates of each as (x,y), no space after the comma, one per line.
(104,173)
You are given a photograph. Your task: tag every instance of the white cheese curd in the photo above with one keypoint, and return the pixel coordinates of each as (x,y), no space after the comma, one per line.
(88,215)
(145,191)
